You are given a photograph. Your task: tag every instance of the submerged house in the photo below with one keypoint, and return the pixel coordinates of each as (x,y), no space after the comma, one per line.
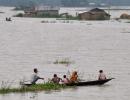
(94,14)
(42,11)
(49,10)
(29,13)
(125,16)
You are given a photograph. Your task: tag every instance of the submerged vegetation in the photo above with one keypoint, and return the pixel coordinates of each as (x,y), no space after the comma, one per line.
(32,88)
(63,61)
(19,15)
(58,16)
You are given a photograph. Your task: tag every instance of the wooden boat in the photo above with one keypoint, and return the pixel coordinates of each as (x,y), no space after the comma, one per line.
(86,83)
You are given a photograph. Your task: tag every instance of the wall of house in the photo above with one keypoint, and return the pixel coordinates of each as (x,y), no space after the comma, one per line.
(95,16)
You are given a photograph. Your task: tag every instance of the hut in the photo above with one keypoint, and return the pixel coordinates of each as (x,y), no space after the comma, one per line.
(94,14)
(125,16)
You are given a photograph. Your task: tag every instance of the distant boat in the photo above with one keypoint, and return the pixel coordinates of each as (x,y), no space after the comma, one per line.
(1,12)
(8,19)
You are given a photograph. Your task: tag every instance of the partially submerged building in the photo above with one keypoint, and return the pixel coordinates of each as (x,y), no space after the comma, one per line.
(94,14)
(50,10)
(125,16)
(42,11)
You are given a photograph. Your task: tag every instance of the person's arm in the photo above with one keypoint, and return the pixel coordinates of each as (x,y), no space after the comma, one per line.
(40,78)
(99,77)
(105,76)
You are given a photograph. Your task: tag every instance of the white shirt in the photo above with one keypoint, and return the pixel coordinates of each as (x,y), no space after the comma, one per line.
(102,76)
(34,77)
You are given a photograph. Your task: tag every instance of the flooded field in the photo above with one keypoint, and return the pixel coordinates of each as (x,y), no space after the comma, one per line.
(26,43)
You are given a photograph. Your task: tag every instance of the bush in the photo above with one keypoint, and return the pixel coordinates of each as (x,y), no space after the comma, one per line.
(19,15)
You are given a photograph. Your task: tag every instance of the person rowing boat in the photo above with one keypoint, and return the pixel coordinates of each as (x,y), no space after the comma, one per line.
(35,76)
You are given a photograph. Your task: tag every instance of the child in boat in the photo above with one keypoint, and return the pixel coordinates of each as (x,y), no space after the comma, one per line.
(101,75)
(56,79)
(65,80)
(74,77)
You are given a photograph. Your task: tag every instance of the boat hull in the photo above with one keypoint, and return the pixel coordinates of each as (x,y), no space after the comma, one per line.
(86,83)
(96,82)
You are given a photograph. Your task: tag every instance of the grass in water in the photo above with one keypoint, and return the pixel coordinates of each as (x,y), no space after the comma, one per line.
(63,61)
(32,88)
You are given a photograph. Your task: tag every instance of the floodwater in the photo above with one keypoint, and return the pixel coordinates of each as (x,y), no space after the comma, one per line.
(26,43)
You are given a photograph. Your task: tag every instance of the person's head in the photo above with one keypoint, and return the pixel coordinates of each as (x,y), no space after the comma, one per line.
(100,71)
(55,75)
(74,73)
(35,70)
(64,76)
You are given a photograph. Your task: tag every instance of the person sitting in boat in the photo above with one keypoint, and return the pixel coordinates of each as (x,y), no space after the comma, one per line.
(74,77)
(35,76)
(56,79)
(65,80)
(101,76)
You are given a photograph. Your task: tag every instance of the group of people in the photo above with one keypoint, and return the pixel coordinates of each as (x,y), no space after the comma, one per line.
(8,19)
(65,80)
